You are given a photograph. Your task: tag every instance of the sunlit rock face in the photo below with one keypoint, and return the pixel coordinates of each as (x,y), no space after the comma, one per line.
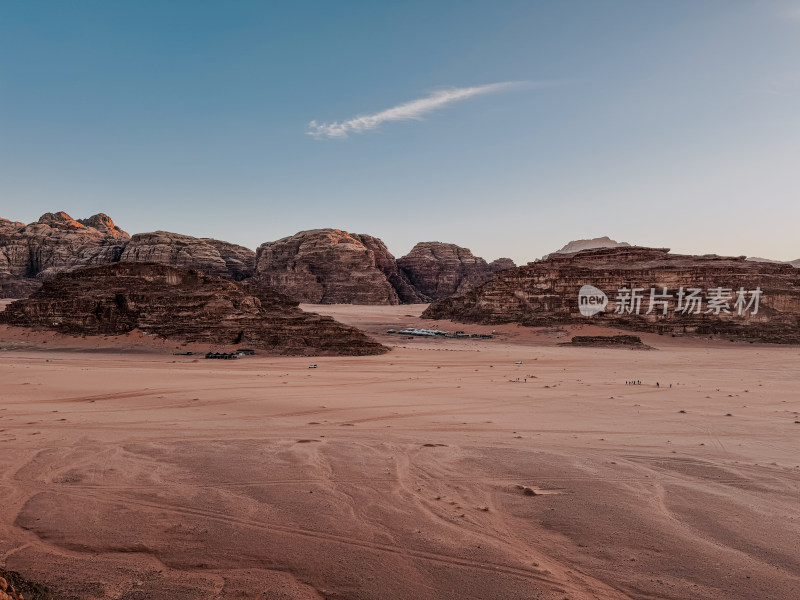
(183,305)
(53,244)
(331,266)
(549,292)
(440,270)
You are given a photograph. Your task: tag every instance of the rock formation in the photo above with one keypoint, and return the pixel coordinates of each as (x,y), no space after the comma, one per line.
(57,242)
(331,266)
(406,293)
(501,264)
(547,293)
(54,243)
(211,256)
(608,341)
(441,270)
(601,242)
(15,587)
(794,263)
(183,305)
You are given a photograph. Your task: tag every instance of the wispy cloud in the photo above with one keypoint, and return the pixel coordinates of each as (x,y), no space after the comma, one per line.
(407,111)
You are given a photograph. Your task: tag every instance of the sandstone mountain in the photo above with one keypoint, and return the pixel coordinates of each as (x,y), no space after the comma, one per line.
(547,293)
(331,266)
(183,305)
(211,256)
(318,266)
(441,270)
(54,243)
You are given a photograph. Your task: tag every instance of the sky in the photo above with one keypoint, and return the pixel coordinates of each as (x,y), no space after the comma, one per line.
(507,127)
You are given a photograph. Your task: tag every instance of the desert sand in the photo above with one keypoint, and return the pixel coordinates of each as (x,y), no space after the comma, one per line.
(442,469)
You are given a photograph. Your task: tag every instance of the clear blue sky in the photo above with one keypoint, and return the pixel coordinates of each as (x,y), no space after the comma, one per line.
(665,123)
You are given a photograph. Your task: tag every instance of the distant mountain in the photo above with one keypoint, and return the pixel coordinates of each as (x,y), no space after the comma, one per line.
(794,263)
(600,242)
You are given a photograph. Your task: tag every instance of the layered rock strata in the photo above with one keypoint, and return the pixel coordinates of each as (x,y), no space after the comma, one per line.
(331,266)
(215,257)
(54,243)
(643,289)
(183,305)
(438,270)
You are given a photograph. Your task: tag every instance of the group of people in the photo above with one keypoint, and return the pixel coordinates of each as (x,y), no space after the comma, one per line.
(638,382)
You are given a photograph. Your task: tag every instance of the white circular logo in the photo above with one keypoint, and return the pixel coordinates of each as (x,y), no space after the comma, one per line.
(591,300)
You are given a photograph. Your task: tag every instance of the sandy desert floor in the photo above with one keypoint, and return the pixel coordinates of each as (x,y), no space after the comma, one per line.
(430,472)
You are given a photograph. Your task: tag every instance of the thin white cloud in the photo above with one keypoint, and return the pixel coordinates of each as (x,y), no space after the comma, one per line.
(407,111)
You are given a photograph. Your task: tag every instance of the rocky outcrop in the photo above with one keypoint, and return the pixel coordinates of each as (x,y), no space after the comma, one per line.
(501,264)
(211,256)
(406,293)
(608,341)
(547,293)
(57,242)
(794,263)
(54,243)
(14,586)
(331,266)
(441,270)
(183,305)
(590,244)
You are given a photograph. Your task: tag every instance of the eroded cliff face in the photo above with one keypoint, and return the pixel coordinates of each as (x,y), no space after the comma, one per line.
(183,305)
(385,261)
(54,243)
(438,270)
(211,256)
(331,266)
(547,292)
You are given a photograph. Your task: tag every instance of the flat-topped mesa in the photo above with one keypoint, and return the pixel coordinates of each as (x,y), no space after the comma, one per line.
(331,266)
(590,244)
(183,305)
(625,287)
(211,256)
(440,270)
(54,243)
